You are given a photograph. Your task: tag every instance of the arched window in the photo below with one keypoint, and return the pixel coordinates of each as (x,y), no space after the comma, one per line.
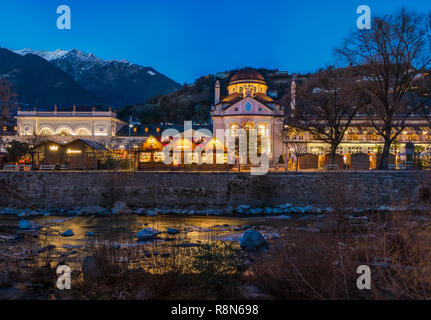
(46,132)
(64,132)
(234,129)
(83,132)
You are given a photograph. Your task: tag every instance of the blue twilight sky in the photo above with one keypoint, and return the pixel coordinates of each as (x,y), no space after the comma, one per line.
(185,39)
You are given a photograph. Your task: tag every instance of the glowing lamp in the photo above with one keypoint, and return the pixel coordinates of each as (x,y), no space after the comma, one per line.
(73,151)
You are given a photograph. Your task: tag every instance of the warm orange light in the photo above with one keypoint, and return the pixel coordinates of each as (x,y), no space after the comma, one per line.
(73,151)
(53,148)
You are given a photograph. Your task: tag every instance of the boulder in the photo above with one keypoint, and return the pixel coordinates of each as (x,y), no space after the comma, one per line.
(147,234)
(95,209)
(172,231)
(24,225)
(91,269)
(272,235)
(268,210)
(146,212)
(327,225)
(151,213)
(141,211)
(67,233)
(4,280)
(252,240)
(120,207)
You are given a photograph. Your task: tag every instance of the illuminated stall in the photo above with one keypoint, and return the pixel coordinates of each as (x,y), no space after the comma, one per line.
(83,154)
(49,153)
(150,152)
(213,152)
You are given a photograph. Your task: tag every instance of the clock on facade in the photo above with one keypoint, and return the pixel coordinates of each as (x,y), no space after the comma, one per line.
(248,106)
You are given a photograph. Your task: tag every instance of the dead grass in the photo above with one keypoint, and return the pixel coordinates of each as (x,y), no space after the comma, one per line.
(397,247)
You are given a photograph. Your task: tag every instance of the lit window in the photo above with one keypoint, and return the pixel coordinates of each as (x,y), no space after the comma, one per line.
(234,89)
(240,89)
(73,151)
(4,128)
(146,129)
(234,129)
(261,129)
(135,129)
(158,129)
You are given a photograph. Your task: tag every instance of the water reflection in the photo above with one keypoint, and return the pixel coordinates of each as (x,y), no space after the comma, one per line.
(120,232)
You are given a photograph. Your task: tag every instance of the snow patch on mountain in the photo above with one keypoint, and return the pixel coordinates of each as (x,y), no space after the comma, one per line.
(151,73)
(47,55)
(71,54)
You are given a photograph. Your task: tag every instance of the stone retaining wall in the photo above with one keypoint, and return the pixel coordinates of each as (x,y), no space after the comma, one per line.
(217,190)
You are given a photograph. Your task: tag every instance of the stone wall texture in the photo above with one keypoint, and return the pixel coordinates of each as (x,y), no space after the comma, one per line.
(212,190)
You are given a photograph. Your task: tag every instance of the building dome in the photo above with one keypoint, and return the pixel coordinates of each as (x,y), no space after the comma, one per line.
(247,82)
(247,74)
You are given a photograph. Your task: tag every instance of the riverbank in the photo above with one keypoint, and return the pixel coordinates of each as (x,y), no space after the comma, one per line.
(121,208)
(303,256)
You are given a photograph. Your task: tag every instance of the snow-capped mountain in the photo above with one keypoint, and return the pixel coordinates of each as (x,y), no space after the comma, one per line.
(39,83)
(118,82)
(47,55)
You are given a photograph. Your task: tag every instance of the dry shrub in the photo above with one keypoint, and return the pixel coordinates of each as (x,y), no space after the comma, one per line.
(397,248)
(309,268)
(163,272)
(399,252)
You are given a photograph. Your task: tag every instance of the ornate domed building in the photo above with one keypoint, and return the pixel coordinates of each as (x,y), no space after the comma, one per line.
(247,105)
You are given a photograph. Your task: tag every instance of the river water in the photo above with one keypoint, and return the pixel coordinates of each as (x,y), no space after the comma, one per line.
(121,231)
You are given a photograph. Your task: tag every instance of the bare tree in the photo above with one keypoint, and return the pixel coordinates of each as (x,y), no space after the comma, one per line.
(296,147)
(391,60)
(34,141)
(326,105)
(7,101)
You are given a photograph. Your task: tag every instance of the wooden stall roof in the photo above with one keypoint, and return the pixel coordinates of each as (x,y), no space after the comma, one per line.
(92,144)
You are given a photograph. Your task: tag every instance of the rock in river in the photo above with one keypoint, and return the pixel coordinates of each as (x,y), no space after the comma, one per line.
(24,225)
(91,269)
(120,207)
(172,231)
(67,233)
(252,240)
(94,209)
(147,234)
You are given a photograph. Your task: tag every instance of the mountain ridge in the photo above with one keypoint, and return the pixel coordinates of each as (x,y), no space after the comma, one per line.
(119,82)
(38,82)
